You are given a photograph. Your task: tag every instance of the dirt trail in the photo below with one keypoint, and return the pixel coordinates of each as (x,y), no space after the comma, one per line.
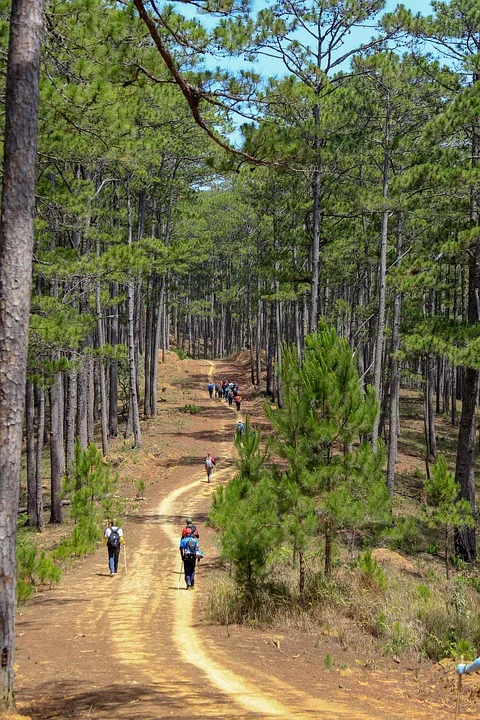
(133,647)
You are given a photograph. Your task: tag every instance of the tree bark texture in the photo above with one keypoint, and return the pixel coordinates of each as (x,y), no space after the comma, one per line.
(16,245)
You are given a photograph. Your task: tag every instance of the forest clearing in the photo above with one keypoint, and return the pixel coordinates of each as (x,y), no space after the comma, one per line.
(137,646)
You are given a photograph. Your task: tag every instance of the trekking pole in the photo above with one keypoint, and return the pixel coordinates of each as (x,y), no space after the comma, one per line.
(180,575)
(459,690)
(125,556)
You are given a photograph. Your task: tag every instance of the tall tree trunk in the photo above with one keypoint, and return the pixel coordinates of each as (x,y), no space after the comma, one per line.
(101,368)
(72,391)
(131,339)
(30,442)
(39,457)
(113,394)
(316,192)
(82,404)
(382,283)
(465,540)
(393,429)
(57,457)
(16,244)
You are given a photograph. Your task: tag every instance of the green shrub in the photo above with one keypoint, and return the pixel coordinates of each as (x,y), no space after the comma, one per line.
(191,409)
(324,591)
(423,592)
(401,639)
(403,536)
(380,626)
(372,575)
(181,353)
(34,567)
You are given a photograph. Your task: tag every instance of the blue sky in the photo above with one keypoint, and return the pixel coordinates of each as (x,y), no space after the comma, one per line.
(269,67)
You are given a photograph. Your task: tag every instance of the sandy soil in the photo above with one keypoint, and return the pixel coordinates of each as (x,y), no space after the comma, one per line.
(138,646)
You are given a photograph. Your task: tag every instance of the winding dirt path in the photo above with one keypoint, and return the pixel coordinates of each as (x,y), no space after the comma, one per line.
(133,647)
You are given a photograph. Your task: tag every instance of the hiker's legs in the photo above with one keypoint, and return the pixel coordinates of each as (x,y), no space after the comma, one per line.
(111,560)
(116,555)
(210,392)
(189,567)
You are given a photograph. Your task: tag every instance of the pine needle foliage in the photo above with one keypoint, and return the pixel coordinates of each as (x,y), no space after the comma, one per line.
(332,479)
(445,509)
(92,486)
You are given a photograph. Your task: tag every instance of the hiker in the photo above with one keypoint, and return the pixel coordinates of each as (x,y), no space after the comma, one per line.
(113,537)
(190,530)
(210,390)
(190,553)
(209,466)
(472,667)
(217,391)
(239,429)
(230,398)
(238,401)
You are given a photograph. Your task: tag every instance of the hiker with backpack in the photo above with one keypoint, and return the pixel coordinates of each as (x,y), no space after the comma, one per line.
(239,429)
(210,464)
(113,537)
(238,401)
(190,553)
(210,389)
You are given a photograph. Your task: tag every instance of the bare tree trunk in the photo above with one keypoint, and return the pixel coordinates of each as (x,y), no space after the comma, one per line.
(90,398)
(131,339)
(82,404)
(16,243)
(70,423)
(57,457)
(465,538)
(113,395)
(101,368)
(30,442)
(393,429)
(317,192)
(382,282)
(39,454)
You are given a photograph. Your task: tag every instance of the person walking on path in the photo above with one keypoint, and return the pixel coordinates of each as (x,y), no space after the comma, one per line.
(238,402)
(210,389)
(190,530)
(190,553)
(209,466)
(114,539)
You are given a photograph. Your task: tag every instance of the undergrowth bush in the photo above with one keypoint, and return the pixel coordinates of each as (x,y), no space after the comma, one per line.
(191,409)
(91,487)
(34,568)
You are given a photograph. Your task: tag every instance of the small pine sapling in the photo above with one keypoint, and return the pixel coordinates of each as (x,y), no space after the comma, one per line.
(444,508)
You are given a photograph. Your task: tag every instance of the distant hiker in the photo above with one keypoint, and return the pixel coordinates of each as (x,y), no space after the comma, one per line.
(190,529)
(239,428)
(230,397)
(238,401)
(217,390)
(210,389)
(190,553)
(209,466)
(113,537)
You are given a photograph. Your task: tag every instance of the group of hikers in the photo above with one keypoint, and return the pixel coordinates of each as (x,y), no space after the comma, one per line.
(189,549)
(227,391)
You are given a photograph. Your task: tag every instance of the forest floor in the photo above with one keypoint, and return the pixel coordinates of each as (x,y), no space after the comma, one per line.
(138,646)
